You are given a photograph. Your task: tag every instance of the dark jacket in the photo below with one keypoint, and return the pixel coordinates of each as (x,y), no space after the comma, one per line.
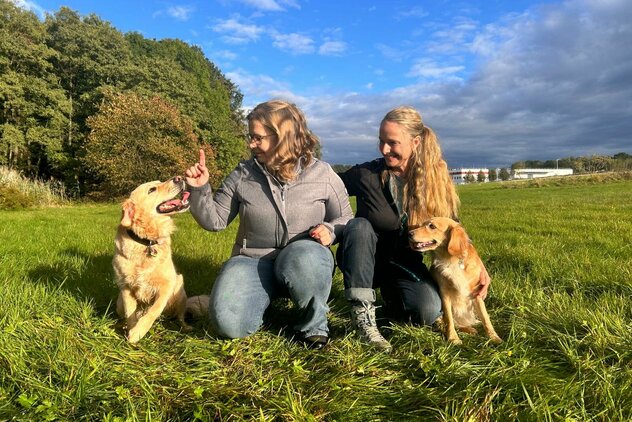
(376,204)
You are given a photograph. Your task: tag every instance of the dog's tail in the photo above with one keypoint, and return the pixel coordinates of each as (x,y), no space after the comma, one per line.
(197,306)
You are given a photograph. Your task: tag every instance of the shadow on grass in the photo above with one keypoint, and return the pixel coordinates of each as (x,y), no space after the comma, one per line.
(89,277)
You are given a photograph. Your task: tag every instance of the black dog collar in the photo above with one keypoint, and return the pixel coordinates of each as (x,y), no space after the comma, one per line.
(151,244)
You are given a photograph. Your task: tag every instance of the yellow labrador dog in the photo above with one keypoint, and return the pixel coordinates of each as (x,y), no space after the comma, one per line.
(456,267)
(147,279)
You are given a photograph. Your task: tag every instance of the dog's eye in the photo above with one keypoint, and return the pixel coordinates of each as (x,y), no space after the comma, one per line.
(152,190)
(431,226)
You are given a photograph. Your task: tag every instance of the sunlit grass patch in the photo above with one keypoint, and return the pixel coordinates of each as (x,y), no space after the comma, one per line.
(560,260)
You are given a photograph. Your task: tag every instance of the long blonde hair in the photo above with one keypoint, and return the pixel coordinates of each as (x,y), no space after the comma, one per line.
(428,188)
(296,142)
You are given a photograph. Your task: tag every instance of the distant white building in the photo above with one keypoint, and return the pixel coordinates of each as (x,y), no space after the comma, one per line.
(459,175)
(535,173)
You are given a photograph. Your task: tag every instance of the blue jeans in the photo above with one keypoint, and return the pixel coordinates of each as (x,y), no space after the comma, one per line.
(246,286)
(410,295)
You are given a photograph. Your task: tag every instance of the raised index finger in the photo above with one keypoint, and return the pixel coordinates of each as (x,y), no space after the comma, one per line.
(202,158)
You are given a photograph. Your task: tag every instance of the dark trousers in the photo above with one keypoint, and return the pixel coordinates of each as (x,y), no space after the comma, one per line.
(408,291)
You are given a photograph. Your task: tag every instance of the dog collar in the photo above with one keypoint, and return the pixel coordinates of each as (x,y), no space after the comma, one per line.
(150,244)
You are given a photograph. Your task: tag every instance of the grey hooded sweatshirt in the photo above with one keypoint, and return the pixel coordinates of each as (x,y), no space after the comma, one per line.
(273,214)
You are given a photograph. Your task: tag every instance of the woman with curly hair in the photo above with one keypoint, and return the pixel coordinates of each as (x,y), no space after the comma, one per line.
(408,185)
(291,208)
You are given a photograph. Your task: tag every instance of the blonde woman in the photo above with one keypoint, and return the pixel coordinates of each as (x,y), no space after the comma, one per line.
(291,208)
(408,185)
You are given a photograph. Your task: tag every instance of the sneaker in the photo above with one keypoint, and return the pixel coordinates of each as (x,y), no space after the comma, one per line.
(363,319)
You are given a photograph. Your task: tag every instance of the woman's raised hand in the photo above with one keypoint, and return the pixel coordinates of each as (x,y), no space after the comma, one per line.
(197,174)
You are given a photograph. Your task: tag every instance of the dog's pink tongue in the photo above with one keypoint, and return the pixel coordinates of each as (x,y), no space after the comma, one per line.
(178,202)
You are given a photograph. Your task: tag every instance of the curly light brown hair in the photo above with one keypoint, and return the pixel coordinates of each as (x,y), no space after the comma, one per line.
(296,143)
(428,189)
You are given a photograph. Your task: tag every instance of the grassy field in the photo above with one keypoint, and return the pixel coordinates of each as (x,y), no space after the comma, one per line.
(560,257)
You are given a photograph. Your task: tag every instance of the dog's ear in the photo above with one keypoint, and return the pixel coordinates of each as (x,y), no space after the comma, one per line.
(458,241)
(128,214)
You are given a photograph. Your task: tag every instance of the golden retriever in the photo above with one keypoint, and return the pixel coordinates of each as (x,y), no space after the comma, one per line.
(456,267)
(144,271)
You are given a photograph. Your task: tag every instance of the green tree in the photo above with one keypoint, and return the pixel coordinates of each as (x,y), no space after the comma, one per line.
(340,168)
(622,162)
(469,177)
(133,140)
(90,55)
(480,177)
(202,92)
(503,174)
(493,176)
(33,107)
(55,74)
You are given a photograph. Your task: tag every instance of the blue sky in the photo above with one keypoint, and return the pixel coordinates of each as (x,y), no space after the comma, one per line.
(499,81)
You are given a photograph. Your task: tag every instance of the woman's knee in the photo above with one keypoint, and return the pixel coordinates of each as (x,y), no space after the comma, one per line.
(227,323)
(359,229)
(238,298)
(426,313)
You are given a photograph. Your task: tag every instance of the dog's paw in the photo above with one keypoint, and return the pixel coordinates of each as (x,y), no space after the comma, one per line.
(495,340)
(455,340)
(134,335)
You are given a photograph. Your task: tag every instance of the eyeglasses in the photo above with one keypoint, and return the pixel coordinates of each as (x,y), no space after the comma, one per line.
(257,139)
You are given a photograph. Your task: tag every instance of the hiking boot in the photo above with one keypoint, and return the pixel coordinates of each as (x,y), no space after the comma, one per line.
(363,319)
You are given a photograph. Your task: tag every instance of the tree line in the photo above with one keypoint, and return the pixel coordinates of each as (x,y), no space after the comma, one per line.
(591,164)
(101,110)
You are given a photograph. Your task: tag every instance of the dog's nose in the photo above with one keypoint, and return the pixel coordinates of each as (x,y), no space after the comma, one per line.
(177,179)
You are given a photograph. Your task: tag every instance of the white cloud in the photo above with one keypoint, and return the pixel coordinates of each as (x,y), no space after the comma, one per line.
(271,5)
(332,48)
(237,32)
(415,12)
(256,88)
(225,55)
(553,82)
(430,69)
(293,43)
(30,6)
(181,13)
(391,53)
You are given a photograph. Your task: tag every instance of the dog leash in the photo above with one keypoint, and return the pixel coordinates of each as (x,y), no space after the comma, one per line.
(150,244)
(406,270)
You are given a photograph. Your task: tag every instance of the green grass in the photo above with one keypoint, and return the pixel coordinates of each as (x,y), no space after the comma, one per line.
(560,257)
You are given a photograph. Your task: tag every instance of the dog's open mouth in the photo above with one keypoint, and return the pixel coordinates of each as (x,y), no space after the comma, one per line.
(177,204)
(420,246)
